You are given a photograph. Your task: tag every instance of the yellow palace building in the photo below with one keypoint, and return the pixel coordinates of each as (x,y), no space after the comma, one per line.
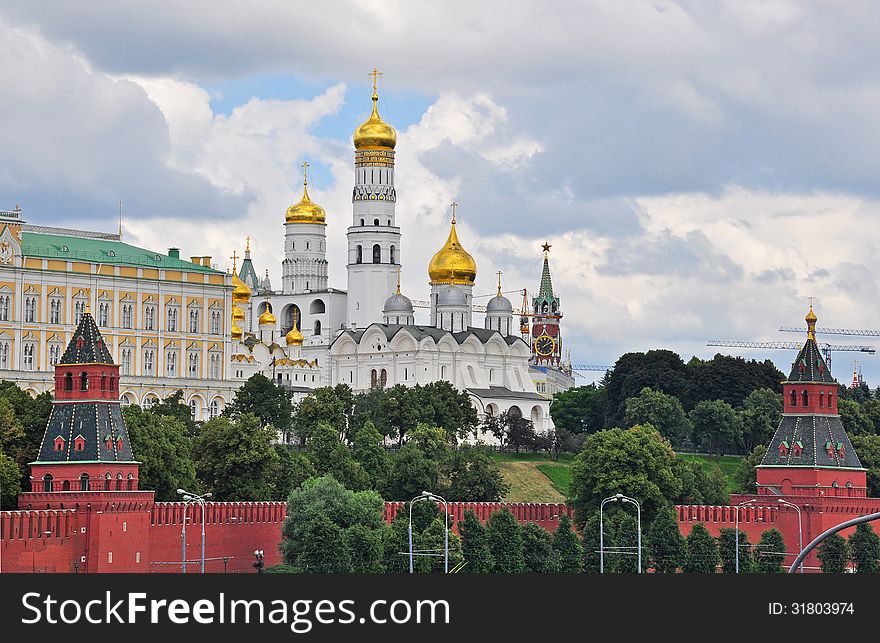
(166,320)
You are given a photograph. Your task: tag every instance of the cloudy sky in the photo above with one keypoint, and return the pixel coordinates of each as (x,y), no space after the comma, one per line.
(700,169)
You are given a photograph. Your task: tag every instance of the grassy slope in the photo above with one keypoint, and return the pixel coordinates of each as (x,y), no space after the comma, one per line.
(728,464)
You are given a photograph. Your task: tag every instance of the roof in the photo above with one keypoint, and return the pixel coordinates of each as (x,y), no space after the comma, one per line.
(66,247)
(809,366)
(95,422)
(545,291)
(813,432)
(247,273)
(421,332)
(86,345)
(505,393)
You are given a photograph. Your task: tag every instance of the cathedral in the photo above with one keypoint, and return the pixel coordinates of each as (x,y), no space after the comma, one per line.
(173,324)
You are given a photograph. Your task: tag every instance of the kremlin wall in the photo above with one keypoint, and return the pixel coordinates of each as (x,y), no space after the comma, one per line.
(76,518)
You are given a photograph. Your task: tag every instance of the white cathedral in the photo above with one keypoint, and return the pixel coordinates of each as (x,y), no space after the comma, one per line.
(307,334)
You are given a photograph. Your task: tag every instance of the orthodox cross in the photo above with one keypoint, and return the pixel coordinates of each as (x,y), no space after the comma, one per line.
(454,205)
(305,172)
(234,258)
(375,74)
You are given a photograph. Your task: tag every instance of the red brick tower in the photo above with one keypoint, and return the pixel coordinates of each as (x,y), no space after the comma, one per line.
(85,447)
(810,453)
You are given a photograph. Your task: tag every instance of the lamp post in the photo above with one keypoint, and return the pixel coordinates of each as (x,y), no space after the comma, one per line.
(258,564)
(622,498)
(188,497)
(427,495)
(736,523)
(800,528)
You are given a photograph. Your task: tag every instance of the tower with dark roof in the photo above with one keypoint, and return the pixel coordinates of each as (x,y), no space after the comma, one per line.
(85,446)
(810,453)
(547,314)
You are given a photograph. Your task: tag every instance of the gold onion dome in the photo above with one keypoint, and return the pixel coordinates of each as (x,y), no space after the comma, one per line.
(294,337)
(267,318)
(811,324)
(306,211)
(374,133)
(237,314)
(236,332)
(452,264)
(241,293)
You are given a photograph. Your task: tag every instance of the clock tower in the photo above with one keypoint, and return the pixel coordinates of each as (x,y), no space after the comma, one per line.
(547,313)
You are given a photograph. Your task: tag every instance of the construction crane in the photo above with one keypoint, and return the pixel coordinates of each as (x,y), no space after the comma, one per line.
(826,349)
(833,331)
(577,369)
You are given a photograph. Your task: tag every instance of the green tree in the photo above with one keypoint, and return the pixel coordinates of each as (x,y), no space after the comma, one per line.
(13,439)
(760,414)
(636,462)
(580,409)
(568,548)
(517,432)
(660,370)
(770,552)
(442,405)
(745,477)
(325,405)
(864,546)
(329,456)
(590,543)
(395,545)
(370,454)
(324,549)
(474,545)
(365,545)
(663,412)
(234,459)
(269,403)
(432,539)
(872,410)
(727,550)
(32,414)
(505,540)
(854,418)
(702,552)
(10,482)
(473,477)
(868,449)
(163,446)
(411,473)
(665,542)
(173,406)
(538,553)
(621,542)
(730,379)
(293,469)
(717,425)
(834,554)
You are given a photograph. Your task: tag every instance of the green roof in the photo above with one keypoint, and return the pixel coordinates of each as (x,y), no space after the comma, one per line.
(54,246)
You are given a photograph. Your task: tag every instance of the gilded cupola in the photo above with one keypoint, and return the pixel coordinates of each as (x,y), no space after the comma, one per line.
(294,337)
(374,133)
(306,211)
(452,264)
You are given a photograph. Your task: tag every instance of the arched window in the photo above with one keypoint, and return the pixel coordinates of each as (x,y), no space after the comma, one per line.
(68,381)
(830,395)
(317,307)
(821,398)
(375,222)
(47,482)
(114,385)
(793,398)
(391,255)
(84,482)
(103,381)
(317,327)
(805,399)
(130,482)
(362,222)
(377,254)
(374,377)
(83,381)
(65,486)
(119,481)
(383,378)
(359,258)
(107,482)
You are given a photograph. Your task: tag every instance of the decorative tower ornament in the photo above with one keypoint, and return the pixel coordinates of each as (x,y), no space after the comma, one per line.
(248,274)
(547,313)
(85,446)
(452,272)
(374,236)
(499,312)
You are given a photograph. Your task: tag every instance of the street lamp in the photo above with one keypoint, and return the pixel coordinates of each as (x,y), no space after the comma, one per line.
(800,528)
(736,523)
(188,497)
(622,498)
(258,565)
(428,496)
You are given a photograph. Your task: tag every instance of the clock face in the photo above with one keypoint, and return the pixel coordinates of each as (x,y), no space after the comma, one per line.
(544,345)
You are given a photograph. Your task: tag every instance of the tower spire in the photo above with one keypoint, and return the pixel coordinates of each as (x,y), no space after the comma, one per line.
(398,281)
(499,282)
(811,322)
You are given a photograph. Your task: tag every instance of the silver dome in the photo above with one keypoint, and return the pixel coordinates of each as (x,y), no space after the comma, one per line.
(452,296)
(499,304)
(398,303)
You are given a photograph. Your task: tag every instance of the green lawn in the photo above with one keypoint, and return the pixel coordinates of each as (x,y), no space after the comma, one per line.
(535,477)
(559,474)
(728,464)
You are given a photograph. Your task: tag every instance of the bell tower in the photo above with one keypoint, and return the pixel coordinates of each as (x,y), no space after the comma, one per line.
(547,314)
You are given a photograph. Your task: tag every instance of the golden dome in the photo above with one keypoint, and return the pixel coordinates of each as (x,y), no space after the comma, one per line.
(237,313)
(452,264)
(241,292)
(811,324)
(294,337)
(811,317)
(305,211)
(374,133)
(236,332)
(267,317)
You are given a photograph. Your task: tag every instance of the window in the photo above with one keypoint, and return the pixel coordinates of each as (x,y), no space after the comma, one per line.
(804,398)
(68,381)
(4,354)
(192,365)
(171,324)
(793,398)
(149,318)
(84,482)
(377,254)
(359,258)
(59,443)
(193,408)
(821,398)
(103,314)
(119,488)
(54,354)
(362,222)
(214,372)
(383,378)
(83,381)
(130,485)
(375,222)
(193,321)
(126,315)
(171,363)
(55,311)
(30,309)
(4,307)
(47,482)
(317,327)
(126,361)
(149,361)
(79,309)
(374,378)
(215,322)
(214,408)
(28,362)
(317,307)
(830,395)
(79,443)
(391,256)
